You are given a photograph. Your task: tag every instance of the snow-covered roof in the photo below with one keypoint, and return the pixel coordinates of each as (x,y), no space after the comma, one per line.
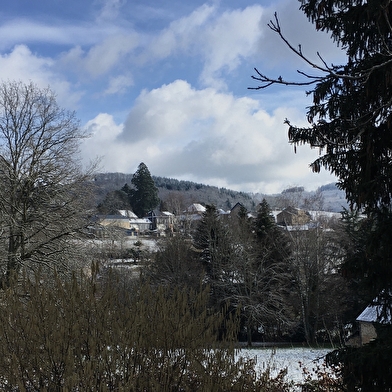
(139,220)
(372,313)
(127,213)
(196,207)
(223,212)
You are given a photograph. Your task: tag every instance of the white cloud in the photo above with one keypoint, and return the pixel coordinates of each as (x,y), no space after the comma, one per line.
(25,31)
(226,42)
(103,130)
(102,58)
(22,64)
(119,84)
(181,35)
(110,10)
(206,136)
(220,41)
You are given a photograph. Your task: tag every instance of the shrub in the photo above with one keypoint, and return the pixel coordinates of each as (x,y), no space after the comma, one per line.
(82,335)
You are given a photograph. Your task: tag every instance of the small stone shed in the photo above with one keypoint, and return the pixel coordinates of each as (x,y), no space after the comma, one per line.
(366,321)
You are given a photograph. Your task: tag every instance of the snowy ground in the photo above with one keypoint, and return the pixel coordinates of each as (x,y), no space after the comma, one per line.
(290,358)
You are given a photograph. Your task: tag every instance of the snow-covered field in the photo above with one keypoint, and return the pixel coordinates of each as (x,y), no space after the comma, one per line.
(290,358)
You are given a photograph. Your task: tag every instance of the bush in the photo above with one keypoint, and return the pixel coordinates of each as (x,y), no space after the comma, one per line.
(80,335)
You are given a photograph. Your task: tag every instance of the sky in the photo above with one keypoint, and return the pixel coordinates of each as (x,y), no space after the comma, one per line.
(167,83)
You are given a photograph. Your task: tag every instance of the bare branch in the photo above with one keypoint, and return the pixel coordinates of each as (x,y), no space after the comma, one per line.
(326,70)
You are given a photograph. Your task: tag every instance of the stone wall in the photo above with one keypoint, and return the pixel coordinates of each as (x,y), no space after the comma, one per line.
(367,332)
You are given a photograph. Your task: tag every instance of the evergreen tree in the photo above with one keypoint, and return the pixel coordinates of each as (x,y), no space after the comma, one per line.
(351,124)
(269,238)
(265,221)
(144,196)
(243,274)
(350,115)
(213,244)
(271,263)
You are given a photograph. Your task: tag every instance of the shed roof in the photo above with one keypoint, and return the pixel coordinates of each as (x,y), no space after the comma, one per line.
(373,314)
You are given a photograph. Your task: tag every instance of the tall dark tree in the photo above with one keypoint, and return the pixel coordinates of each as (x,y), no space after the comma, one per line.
(244,274)
(214,247)
(269,238)
(351,112)
(265,221)
(351,124)
(144,195)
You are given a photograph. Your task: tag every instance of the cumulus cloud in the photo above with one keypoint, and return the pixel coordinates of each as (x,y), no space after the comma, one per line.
(22,64)
(181,35)
(180,118)
(204,135)
(220,40)
(232,37)
(297,29)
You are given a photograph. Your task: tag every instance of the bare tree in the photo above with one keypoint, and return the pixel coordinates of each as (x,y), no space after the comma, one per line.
(174,265)
(318,290)
(43,189)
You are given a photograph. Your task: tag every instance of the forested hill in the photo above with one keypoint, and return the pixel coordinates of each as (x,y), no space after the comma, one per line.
(189,192)
(193,192)
(327,197)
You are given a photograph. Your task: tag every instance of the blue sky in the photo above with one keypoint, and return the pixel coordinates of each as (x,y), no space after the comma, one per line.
(166,83)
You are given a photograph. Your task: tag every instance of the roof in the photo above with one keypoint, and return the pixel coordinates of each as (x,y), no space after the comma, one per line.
(127,213)
(139,221)
(373,313)
(293,211)
(196,207)
(111,217)
(222,212)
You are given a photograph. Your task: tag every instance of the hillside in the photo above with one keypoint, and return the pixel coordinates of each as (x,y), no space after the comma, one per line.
(178,194)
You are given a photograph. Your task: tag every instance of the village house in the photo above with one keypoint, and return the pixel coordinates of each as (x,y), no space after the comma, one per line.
(139,226)
(162,222)
(292,216)
(366,320)
(106,225)
(109,221)
(236,210)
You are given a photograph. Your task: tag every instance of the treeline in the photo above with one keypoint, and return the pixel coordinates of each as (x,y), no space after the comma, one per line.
(172,184)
